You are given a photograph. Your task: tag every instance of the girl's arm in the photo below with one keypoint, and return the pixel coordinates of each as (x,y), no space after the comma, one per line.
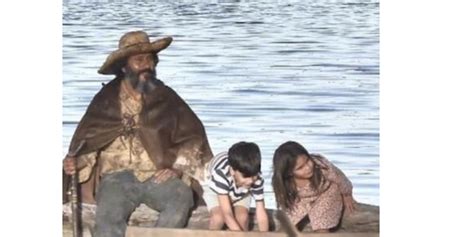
(226,207)
(334,174)
(262,217)
(345,185)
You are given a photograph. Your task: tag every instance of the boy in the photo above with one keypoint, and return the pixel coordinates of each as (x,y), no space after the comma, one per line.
(234,177)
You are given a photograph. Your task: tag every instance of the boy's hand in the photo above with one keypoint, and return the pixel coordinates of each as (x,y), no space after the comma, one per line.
(262,216)
(226,207)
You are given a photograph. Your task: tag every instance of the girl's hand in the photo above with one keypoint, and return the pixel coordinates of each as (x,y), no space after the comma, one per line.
(349,203)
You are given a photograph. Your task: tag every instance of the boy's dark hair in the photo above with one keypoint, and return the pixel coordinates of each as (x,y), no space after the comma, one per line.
(245,157)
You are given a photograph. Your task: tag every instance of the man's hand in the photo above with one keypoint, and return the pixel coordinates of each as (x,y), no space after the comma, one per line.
(349,203)
(165,174)
(69,165)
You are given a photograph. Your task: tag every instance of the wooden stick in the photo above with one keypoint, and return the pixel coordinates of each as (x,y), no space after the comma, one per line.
(74,199)
(286,224)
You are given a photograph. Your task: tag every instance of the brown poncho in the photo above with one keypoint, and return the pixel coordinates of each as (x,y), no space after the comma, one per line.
(167,128)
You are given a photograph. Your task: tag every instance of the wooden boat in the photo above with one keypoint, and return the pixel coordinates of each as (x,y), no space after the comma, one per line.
(363,222)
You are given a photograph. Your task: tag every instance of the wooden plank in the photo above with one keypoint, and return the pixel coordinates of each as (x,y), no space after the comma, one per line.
(134,231)
(365,219)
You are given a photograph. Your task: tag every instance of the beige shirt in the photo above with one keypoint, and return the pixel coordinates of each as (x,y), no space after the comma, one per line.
(126,152)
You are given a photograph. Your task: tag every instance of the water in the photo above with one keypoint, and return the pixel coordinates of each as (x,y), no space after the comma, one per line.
(266,72)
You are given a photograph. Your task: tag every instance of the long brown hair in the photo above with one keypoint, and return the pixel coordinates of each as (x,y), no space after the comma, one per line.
(284,186)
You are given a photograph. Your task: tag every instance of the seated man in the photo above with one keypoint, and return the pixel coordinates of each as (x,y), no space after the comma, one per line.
(138,142)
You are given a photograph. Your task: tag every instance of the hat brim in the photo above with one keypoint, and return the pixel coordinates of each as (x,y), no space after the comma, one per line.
(111,64)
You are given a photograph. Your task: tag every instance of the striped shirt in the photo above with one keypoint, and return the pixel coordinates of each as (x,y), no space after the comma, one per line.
(221,182)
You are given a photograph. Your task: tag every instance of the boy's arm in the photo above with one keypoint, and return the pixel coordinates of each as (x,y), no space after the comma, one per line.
(262,216)
(226,207)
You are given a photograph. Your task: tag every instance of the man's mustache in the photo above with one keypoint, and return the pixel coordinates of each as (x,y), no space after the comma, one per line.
(143,86)
(152,73)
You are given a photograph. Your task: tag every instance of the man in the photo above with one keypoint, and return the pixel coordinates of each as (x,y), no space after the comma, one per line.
(138,142)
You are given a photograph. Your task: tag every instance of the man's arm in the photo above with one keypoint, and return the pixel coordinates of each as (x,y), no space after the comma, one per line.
(226,207)
(262,217)
(165,174)
(82,164)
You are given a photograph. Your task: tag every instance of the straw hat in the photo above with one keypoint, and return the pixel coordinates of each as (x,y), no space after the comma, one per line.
(132,43)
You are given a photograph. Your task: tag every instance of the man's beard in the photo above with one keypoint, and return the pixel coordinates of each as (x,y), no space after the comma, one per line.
(142,86)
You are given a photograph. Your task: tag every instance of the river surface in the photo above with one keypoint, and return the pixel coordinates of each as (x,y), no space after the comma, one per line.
(262,71)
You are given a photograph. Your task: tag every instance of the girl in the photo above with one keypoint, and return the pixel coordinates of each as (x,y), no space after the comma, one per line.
(310,185)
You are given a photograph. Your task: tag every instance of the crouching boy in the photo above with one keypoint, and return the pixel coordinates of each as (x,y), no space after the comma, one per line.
(234,178)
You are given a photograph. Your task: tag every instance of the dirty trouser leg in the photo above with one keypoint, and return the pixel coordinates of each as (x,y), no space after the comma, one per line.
(172,198)
(118,195)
